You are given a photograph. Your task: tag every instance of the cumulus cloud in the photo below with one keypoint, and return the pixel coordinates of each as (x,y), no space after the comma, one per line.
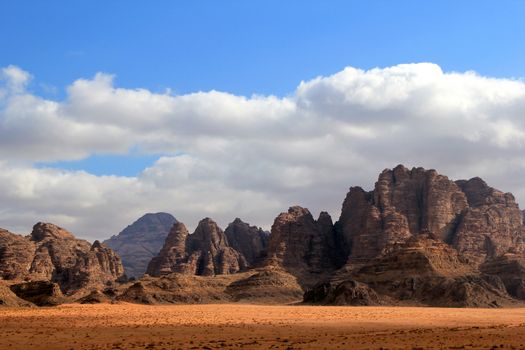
(229,155)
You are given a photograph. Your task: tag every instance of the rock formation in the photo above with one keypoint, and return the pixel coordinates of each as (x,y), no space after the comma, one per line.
(423,238)
(53,254)
(474,218)
(40,293)
(248,240)
(138,243)
(206,252)
(301,244)
(348,292)
(9,299)
(418,238)
(492,224)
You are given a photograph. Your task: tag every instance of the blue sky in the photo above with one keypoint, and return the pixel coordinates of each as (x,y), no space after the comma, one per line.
(246,47)
(100,119)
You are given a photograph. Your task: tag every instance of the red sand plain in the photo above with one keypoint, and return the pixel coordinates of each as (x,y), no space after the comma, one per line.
(241,326)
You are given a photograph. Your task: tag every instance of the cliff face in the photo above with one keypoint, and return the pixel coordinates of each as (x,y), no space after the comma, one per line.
(248,240)
(421,237)
(492,224)
(477,220)
(138,243)
(206,252)
(53,254)
(404,203)
(300,243)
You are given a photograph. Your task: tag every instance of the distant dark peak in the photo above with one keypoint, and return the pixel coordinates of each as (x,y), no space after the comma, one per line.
(149,219)
(139,242)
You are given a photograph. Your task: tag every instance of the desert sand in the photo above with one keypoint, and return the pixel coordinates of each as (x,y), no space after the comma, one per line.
(232,326)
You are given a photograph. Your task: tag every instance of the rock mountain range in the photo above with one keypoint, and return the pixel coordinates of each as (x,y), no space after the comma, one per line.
(417,238)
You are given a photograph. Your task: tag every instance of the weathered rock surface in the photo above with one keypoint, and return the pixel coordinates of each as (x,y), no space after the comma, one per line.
(492,225)
(477,220)
(404,203)
(421,271)
(348,292)
(301,244)
(138,243)
(510,268)
(53,254)
(269,285)
(16,255)
(259,286)
(206,252)
(40,293)
(248,240)
(10,299)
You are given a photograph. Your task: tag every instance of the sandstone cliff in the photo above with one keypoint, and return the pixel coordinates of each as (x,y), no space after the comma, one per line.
(248,240)
(422,238)
(301,244)
(138,243)
(477,220)
(206,252)
(53,254)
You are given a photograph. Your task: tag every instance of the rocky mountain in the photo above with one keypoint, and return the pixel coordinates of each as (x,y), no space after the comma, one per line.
(417,238)
(301,244)
(52,254)
(250,241)
(206,252)
(423,238)
(138,243)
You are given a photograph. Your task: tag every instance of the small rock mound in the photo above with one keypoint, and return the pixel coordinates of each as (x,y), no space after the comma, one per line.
(267,285)
(10,299)
(348,292)
(40,293)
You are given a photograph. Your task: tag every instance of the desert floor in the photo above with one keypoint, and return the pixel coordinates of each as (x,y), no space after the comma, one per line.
(231,326)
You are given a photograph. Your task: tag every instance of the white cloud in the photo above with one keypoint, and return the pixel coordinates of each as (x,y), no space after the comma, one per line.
(251,157)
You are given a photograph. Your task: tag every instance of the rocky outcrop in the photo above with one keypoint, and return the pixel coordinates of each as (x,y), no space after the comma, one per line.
(301,244)
(262,285)
(138,243)
(348,292)
(510,268)
(421,271)
(248,240)
(16,255)
(40,293)
(492,225)
(404,203)
(477,220)
(10,299)
(173,256)
(206,252)
(53,254)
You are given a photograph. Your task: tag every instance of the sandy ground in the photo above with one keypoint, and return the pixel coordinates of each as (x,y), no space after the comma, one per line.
(233,326)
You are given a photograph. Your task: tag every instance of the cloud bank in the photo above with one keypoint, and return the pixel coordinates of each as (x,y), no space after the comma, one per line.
(252,157)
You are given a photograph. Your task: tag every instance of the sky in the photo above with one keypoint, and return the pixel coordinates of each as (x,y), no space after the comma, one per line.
(109,110)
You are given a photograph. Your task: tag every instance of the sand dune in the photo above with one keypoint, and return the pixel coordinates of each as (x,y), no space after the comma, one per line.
(231,326)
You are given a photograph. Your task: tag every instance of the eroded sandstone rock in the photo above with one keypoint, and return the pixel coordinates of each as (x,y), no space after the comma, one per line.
(206,252)
(248,240)
(53,254)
